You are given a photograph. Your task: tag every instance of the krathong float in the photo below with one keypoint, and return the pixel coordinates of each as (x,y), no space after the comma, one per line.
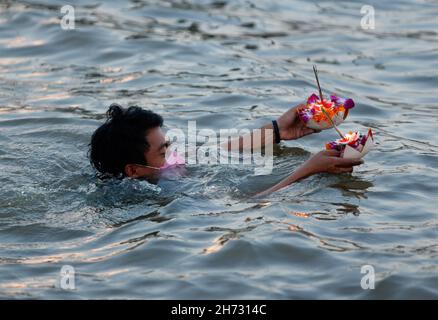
(313,114)
(353,145)
(320,113)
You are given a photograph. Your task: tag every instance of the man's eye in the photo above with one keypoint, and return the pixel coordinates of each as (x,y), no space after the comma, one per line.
(163,154)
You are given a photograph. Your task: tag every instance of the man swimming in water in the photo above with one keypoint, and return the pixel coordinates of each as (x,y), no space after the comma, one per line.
(131,143)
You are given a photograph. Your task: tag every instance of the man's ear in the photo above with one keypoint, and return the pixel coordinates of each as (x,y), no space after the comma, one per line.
(131,170)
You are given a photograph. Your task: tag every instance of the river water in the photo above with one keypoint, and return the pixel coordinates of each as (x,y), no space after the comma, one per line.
(223,64)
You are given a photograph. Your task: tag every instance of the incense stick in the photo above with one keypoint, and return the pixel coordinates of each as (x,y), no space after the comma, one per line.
(317,82)
(315,71)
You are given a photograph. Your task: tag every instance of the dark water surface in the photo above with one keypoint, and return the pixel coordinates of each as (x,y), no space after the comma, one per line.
(224,64)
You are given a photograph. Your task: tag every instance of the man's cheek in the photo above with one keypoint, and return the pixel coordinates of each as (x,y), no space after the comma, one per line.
(152,159)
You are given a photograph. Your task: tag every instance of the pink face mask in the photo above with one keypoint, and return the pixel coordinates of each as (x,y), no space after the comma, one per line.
(173,159)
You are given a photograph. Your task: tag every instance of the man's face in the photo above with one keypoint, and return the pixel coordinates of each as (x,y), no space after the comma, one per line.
(156,154)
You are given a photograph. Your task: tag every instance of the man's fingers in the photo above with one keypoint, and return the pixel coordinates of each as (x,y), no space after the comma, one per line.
(307,131)
(344,169)
(312,130)
(343,162)
(332,153)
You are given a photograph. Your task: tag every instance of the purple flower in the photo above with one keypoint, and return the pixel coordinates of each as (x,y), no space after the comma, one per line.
(334,146)
(304,115)
(363,140)
(347,103)
(335,99)
(313,98)
(355,144)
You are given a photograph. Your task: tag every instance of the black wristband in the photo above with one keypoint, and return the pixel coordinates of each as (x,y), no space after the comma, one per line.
(276,131)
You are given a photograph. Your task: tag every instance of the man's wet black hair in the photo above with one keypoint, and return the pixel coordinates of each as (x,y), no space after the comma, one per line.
(121,140)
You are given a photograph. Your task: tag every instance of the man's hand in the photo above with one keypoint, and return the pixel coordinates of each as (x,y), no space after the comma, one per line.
(323,161)
(329,161)
(291,127)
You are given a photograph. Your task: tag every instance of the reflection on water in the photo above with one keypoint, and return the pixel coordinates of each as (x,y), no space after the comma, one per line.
(226,64)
